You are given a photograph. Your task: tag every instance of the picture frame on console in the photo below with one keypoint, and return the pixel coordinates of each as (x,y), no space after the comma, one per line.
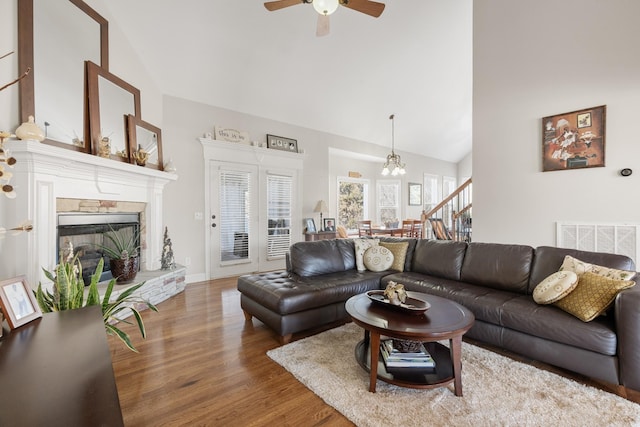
(309,225)
(574,140)
(282,143)
(329,224)
(18,302)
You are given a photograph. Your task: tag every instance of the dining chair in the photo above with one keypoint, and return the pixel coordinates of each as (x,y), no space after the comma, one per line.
(417,228)
(364,228)
(407,228)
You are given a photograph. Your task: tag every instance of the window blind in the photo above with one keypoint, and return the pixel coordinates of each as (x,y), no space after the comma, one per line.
(279,190)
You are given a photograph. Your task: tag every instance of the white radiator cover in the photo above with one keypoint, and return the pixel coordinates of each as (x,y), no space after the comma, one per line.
(615,238)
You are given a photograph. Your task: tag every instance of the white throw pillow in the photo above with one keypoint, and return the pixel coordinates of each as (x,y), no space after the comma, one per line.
(378,258)
(580,267)
(361,246)
(555,287)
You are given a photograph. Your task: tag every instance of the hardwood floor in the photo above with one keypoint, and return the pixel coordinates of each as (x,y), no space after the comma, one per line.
(202,365)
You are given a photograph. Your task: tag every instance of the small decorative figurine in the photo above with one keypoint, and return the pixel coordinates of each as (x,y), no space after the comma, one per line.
(140,156)
(167,262)
(104,149)
(396,293)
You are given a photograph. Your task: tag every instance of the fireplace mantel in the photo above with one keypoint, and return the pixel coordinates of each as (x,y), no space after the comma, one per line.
(45,173)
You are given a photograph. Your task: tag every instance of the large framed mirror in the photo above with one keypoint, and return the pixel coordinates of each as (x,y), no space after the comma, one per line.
(56,37)
(145,143)
(111,100)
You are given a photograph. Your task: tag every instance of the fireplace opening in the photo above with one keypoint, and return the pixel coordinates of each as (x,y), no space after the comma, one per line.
(85,233)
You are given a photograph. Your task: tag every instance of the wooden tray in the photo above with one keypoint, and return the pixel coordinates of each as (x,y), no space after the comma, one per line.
(411,305)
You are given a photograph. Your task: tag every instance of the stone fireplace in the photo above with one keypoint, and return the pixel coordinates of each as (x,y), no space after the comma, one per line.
(50,180)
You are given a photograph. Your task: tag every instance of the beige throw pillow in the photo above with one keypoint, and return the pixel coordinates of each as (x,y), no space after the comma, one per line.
(580,267)
(555,287)
(378,258)
(593,295)
(361,246)
(399,251)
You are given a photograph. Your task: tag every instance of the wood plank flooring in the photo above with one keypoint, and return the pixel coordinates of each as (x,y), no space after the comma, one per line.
(202,365)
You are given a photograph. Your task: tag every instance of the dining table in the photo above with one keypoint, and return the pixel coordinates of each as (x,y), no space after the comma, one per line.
(384,231)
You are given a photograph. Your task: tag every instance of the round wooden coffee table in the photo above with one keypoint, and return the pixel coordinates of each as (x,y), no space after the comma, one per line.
(445,319)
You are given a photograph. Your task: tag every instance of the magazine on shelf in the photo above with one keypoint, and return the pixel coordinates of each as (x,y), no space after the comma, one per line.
(393,358)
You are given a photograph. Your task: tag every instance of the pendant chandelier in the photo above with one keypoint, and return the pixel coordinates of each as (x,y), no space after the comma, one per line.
(393,165)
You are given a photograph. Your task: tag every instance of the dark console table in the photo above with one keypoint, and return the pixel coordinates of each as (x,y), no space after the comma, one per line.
(57,371)
(320,235)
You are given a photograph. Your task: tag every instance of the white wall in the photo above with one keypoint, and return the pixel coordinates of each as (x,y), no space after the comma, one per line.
(182,122)
(185,121)
(539,58)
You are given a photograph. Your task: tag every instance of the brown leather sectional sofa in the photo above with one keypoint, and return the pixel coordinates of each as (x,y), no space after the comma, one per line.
(494,281)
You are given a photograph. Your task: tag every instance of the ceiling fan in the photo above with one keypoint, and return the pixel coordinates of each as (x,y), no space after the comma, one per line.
(327,7)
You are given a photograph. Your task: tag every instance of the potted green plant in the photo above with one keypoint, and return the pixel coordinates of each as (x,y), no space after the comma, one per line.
(124,252)
(69,293)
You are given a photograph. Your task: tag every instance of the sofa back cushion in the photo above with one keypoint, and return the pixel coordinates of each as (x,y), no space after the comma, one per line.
(321,257)
(440,258)
(547,260)
(498,266)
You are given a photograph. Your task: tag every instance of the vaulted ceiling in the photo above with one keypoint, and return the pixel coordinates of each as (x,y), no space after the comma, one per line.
(415,60)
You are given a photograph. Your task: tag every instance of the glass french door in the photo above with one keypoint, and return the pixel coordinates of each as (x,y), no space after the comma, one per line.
(234,219)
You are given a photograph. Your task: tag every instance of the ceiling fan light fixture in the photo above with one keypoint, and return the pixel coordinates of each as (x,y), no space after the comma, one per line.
(325,7)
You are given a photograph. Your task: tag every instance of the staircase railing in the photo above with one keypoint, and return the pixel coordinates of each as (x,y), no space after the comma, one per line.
(451,218)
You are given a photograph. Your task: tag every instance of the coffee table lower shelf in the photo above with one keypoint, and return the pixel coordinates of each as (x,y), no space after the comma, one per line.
(441,376)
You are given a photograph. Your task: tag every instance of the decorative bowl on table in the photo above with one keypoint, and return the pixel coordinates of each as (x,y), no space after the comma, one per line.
(411,305)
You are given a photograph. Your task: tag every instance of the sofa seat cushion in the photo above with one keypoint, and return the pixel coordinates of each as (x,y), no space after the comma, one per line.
(549,322)
(517,312)
(484,302)
(286,293)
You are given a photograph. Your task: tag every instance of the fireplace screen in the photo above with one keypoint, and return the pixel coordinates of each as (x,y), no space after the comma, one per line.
(84,234)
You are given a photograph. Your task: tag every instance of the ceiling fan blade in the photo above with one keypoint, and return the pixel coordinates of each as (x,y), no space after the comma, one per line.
(281,4)
(371,8)
(323,25)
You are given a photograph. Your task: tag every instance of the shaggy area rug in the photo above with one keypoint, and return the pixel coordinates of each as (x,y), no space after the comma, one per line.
(498,391)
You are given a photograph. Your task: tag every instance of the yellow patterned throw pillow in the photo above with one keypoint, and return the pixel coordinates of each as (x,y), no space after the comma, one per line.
(378,258)
(399,251)
(555,287)
(593,295)
(580,267)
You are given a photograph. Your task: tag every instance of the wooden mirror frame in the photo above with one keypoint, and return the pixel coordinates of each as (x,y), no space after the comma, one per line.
(94,72)
(26,60)
(134,124)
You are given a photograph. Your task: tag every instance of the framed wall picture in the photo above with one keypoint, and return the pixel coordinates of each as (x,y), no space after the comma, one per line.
(415,194)
(282,143)
(574,140)
(18,302)
(329,224)
(309,225)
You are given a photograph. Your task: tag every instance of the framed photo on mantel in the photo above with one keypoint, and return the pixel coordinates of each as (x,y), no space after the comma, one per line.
(574,140)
